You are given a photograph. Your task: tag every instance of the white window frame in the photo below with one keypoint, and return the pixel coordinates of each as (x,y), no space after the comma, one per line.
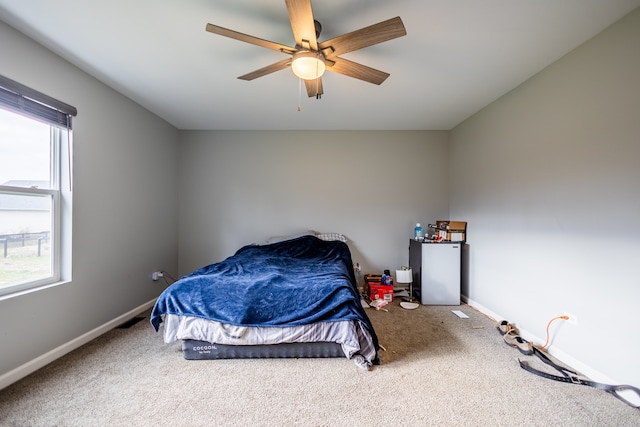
(60,184)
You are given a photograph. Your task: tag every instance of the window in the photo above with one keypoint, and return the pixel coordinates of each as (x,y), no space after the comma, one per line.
(35,188)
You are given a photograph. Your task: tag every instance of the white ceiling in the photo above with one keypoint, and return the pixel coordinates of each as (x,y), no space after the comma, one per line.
(457,57)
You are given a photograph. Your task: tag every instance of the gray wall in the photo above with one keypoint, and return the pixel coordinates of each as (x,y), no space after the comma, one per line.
(124,210)
(239,187)
(548,177)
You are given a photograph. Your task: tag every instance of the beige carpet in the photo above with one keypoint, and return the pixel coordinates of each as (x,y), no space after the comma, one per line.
(437,370)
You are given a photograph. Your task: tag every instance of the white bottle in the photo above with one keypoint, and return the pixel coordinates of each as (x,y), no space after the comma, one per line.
(418,232)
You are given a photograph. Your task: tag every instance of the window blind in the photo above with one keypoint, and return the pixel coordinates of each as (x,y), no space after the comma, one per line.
(24,100)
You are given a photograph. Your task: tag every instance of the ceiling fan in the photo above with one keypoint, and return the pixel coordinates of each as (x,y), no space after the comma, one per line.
(310,57)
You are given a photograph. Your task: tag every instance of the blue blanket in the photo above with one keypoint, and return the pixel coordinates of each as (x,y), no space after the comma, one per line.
(295,282)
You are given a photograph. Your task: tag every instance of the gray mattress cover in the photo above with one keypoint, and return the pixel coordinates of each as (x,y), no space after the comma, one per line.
(203,350)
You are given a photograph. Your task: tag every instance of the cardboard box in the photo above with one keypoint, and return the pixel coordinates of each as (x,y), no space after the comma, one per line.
(451,225)
(373,278)
(452,231)
(384,292)
(454,236)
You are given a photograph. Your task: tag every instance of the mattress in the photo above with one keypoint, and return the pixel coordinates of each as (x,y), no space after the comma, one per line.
(203,350)
(207,339)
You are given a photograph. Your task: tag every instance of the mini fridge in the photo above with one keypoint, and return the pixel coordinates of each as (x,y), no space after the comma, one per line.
(436,271)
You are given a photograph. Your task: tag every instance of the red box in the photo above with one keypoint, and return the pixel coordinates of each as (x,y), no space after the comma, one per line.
(381,292)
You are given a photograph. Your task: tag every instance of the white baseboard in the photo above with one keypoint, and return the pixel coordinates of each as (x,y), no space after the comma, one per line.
(572,362)
(41,361)
(558,354)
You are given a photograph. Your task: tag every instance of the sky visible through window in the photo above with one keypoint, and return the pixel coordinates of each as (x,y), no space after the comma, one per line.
(24,148)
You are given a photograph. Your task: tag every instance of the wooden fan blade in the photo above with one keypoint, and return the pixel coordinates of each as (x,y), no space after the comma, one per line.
(267,70)
(215,29)
(304,29)
(368,36)
(314,87)
(358,71)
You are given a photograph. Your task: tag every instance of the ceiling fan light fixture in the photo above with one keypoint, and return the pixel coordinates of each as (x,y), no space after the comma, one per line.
(308,65)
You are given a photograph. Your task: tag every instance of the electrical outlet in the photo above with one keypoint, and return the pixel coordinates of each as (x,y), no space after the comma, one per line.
(156,275)
(572,318)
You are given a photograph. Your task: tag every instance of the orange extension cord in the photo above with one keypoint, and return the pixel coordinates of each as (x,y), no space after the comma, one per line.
(546,343)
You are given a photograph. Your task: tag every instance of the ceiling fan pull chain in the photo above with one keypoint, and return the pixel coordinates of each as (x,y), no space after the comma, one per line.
(317,80)
(299,93)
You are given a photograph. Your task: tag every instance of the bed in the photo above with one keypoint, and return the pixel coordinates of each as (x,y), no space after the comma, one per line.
(291,298)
